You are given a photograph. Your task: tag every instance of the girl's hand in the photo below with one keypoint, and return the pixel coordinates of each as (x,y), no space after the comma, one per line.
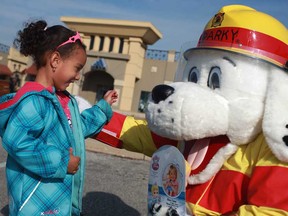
(73,164)
(111,96)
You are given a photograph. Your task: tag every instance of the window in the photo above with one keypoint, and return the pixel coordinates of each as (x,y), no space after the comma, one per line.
(154,69)
(121,45)
(91,45)
(101,46)
(111,44)
(143,101)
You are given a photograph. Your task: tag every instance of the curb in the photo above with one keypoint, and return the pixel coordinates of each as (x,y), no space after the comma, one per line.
(97,146)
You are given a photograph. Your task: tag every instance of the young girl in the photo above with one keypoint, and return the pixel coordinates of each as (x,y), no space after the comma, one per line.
(42,129)
(171,184)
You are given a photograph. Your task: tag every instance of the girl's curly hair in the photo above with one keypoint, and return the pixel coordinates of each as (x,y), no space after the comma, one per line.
(37,40)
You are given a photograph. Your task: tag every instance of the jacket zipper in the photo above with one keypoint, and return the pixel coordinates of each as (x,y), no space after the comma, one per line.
(30,195)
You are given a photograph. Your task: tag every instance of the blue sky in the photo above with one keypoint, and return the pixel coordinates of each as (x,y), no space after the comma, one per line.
(179,21)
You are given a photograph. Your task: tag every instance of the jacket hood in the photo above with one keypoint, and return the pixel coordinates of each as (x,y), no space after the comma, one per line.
(10,101)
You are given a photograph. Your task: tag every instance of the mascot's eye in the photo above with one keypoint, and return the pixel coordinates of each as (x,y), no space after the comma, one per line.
(193,75)
(214,78)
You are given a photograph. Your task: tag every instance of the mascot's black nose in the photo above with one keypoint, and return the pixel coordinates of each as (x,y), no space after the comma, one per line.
(161,92)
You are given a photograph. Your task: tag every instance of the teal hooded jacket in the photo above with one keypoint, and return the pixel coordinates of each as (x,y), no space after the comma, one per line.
(37,137)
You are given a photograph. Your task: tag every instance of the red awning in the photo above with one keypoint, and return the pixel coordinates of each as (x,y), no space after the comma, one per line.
(30,70)
(4,70)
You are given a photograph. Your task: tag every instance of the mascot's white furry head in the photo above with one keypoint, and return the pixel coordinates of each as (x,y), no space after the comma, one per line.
(233,84)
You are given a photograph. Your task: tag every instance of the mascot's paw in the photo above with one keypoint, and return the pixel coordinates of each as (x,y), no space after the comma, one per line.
(159,210)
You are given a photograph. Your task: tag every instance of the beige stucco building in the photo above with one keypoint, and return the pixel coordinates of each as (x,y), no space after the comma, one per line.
(117,57)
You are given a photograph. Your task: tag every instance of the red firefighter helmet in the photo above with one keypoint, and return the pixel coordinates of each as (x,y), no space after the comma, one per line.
(242,29)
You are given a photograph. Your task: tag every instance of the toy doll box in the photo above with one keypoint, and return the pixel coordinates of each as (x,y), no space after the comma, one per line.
(166,184)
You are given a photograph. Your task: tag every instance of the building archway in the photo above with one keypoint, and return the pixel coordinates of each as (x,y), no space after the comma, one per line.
(95,84)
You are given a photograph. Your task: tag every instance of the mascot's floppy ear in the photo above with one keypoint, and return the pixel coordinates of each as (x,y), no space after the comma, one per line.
(275,120)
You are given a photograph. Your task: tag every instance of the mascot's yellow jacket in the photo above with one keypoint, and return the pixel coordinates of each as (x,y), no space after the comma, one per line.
(251,182)
(227,112)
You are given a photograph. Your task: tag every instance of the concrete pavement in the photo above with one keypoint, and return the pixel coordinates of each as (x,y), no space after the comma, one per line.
(115,182)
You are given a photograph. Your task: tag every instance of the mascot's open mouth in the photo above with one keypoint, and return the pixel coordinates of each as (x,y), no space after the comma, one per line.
(200,152)
(187,111)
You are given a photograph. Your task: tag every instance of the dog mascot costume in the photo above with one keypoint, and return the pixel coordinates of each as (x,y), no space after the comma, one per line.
(228,115)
